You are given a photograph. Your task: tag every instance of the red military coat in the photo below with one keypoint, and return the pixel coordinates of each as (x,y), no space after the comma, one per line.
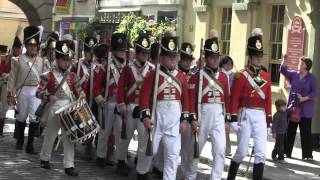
(49,83)
(99,84)
(210,94)
(168,89)
(133,75)
(243,93)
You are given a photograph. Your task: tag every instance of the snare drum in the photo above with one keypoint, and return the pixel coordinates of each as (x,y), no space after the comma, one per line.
(78,121)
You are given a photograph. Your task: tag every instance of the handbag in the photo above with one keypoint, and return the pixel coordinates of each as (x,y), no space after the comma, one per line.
(294,114)
(294,110)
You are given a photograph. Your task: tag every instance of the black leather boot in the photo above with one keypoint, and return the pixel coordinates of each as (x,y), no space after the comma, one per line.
(123,168)
(258,171)
(101,162)
(1,126)
(20,134)
(233,169)
(71,171)
(33,128)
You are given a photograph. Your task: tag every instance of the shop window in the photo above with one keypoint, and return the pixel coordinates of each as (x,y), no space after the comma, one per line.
(277,21)
(226,30)
(167,16)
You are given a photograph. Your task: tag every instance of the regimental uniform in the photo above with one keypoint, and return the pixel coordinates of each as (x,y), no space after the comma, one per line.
(129,86)
(86,70)
(66,94)
(4,75)
(215,101)
(172,106)
(108,102)
(23,80)
(251,109)
(186,54)
(49,64)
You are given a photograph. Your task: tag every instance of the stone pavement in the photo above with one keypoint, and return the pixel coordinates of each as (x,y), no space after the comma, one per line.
(16,164)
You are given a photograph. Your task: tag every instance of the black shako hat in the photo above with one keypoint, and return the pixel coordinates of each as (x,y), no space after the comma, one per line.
(169,46)
(31,35)
(186,51)
(62,49)
(254,46)
(119,42)
(143,44)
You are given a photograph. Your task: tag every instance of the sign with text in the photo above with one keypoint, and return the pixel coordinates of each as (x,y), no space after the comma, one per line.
(295,47)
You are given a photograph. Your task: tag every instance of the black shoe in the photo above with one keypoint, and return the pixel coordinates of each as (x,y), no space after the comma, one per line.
(123,168)
(45,164)
(157,173)
(71,171)
(232,174)
(33,128)
(101,162)
(258,171)
(143,176)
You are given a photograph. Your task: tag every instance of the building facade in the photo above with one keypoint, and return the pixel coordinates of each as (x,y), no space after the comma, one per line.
(11,16)
(235,19)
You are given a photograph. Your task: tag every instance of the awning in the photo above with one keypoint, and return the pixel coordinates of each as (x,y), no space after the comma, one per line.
(119,9)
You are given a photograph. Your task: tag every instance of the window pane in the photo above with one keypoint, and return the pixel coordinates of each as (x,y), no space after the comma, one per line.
(273,32)
(229,15)
(223,32)
(228,27)
(274,13)
(279,33)
(281,13)
(274,51)
(275,73)
(224,15)
(224,47)
(279,55)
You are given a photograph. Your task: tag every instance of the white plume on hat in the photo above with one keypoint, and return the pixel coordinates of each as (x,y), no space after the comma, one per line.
(41,28)
(213,33)
(257,32)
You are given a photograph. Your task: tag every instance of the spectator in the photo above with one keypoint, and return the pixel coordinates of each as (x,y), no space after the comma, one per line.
(279,130)
(226,66)
(304,84)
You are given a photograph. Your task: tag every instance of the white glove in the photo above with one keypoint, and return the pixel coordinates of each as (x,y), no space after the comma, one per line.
(234,126)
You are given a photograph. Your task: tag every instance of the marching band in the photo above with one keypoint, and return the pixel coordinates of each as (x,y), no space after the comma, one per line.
(173,106)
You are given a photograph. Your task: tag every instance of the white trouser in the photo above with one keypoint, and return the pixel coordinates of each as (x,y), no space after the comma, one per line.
(252,123)
(52,130)
(187,145)
(167,130)
(211,124)
(4,105)
(158,158)
(110,121)
(27,104)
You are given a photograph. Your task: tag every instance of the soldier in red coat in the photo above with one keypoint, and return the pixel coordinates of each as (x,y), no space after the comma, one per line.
(86,69)
(105,95)
(47,91)
(251,109)
(171,106)
(129,86)
(214,98)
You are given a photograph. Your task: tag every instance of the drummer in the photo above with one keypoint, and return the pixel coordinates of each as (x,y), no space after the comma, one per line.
(65,95)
